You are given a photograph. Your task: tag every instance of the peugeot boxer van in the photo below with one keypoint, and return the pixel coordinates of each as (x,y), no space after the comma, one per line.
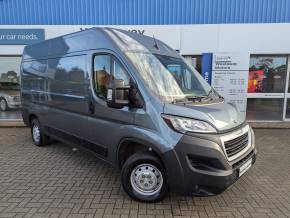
(135,103)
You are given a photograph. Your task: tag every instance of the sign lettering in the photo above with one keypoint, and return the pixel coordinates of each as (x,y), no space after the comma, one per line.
(20,36)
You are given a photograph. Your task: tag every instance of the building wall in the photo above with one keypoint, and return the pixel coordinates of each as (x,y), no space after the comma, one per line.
(191,39)
(153,12)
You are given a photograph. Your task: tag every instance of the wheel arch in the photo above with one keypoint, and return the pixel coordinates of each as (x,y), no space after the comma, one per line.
(31,117)
(168,158)
(128,146)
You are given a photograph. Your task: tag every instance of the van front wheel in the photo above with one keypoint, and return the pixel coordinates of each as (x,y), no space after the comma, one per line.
(38,137)
(144,178)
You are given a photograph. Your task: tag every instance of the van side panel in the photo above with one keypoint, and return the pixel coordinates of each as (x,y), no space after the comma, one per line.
(33,87)
(67,83)
(55,90)
(66,104)
(69,44)
(36,51)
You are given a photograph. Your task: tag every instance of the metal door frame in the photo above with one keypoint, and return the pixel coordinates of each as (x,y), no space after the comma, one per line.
(287,94)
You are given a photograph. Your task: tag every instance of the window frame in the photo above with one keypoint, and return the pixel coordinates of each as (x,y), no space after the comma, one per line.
(287,92)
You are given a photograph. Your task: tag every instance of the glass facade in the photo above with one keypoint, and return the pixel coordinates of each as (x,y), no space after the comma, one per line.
(265,109)
(266,87)
(287,115)
(10,87)
(267,74)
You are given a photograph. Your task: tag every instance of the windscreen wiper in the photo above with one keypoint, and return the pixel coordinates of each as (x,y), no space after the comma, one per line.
(199,97)
(191,98)
(183,101)
(210,92)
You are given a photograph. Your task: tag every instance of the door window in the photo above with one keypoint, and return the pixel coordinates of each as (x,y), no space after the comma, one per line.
(106,67)
(120,73)
(102,72)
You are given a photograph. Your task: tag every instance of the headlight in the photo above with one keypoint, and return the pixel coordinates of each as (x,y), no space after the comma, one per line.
(10,98)
(184,125)
(252,137)
(13,98)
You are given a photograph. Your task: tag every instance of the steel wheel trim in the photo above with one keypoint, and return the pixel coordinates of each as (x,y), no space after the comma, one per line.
(146,179)
(36,133)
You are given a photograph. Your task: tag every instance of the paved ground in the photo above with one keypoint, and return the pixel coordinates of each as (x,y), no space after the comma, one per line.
(55,181)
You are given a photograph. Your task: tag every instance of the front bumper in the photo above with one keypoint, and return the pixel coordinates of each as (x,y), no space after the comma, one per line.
(198,165)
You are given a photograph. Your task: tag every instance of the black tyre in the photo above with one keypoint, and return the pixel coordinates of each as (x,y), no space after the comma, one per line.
(144,178)
(3,105)
(37,135)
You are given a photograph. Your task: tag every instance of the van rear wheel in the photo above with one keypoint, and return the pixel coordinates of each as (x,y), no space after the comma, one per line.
(144,178)
(37,135)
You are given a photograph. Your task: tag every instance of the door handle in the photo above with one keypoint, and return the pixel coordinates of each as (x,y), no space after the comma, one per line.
(91,107)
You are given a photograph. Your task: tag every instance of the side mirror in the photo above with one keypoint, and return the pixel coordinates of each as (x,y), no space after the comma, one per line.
(118,94)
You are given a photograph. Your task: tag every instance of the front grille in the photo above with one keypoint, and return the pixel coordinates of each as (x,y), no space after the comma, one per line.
(245,159)
(16,98)
(236,145)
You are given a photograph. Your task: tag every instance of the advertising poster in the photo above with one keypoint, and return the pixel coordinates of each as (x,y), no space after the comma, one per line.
(230,77)
(255,83)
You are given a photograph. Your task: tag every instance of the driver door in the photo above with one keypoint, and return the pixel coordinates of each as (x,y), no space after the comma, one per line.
(105,122)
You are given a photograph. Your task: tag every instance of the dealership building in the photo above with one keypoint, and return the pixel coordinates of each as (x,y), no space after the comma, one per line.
(254,33)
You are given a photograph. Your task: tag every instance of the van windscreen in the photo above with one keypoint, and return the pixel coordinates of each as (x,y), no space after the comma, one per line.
(169,78)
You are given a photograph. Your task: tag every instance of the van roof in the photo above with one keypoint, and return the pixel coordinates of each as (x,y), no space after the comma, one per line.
(96,38)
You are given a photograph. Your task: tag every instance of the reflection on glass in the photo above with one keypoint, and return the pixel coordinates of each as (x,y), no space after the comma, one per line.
(267,74)
(264,109)
(102,69)
(195,61)
(171,79)
(10,88)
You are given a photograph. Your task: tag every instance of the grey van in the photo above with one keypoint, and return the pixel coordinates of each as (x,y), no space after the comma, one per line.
(135,103)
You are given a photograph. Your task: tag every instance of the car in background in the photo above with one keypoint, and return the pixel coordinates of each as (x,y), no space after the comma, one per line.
(9,96)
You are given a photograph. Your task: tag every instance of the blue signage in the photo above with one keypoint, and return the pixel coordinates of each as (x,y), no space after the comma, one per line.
(20,36)
(206,66)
